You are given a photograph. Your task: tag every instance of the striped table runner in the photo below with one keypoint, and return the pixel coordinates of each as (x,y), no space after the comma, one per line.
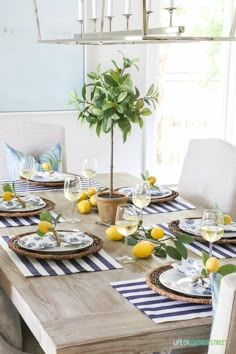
(39,267)
(177,204)
(23,220)
(219,250)
(157,307)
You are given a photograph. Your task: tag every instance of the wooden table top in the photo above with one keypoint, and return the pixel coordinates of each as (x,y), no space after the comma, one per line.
(82,313)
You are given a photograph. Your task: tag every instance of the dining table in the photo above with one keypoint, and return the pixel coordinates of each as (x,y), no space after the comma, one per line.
(82,312)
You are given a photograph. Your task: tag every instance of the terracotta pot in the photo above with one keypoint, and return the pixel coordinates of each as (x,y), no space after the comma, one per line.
(107,206)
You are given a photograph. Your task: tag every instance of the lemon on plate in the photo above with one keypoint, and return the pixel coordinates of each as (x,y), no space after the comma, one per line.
(212,264)
(151,180)
(143,249)
(227,219)
(7,196)
(44,226)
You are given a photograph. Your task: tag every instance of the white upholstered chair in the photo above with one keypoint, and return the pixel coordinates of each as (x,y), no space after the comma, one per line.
(224,325)
(31,138)
(208,175)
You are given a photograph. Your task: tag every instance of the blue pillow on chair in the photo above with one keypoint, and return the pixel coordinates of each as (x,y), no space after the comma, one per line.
(14,156)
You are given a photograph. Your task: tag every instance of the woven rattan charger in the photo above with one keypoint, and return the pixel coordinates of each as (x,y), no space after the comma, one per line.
(14,214)
(153,282)
(94,248)
(174,227)
(48,183)
(171,197)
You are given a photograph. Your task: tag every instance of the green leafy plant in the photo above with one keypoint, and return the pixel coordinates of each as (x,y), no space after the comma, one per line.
(110,100)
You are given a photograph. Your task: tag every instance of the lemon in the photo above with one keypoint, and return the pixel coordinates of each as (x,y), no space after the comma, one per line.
(44,226)
(46,166)
(84,207)
(212,264)
(8,195)
(91,191)
(93,200)
(157,232)
(83,196)
(227,219)
(143,249)
(151,180)
(113,234)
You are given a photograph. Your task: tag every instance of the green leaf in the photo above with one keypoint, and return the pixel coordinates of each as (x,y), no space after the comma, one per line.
(132,241)
(184,238)
(6,187)
(173,253)
(107,106)
(181,249)
(204,272)
(205,257)
(227,269)
(98,129)
(57,219)
(160,253)
(46,216)
(93,75)
(40,233)
(122,96)
(150,91)
(146,112)
(106,125)
(109,80)
(84,91)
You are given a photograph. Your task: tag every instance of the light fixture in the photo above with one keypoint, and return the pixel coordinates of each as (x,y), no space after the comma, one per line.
(91,29)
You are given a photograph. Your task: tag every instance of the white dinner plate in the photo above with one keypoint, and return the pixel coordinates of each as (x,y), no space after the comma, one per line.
(12,206)
(46,177)
(174,280)
(192,226)
(29,242)
(164,192)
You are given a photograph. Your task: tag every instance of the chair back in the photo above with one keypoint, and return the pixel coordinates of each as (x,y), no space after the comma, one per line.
(208,176)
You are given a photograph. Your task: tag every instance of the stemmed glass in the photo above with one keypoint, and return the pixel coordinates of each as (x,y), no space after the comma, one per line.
(126,223)
(212,226)
(89,168)
(72,192)
(141,197)
(27,169)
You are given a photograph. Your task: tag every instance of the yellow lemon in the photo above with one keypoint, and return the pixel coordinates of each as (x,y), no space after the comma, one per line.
(83,196)
(143,249)
(157,232)
(212,264)
(91,191)
(93,200)
(84,207)
(44,226)
(46,166)
(227,219)
(151,180)
(8,195)
(113,234)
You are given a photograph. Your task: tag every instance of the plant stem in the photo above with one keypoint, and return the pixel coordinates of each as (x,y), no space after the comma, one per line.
(111,162)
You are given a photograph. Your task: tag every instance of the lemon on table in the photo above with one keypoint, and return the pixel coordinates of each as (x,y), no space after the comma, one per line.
(46,166)
(157,232)
(91,191)
(84,207)
(143,249)
(93,200)
(151,180)
(83,196)
(212,264)
(8,195)
(227,219)
(44,226)
(113,234)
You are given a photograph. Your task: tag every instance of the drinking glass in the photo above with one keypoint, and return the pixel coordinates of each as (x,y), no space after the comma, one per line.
(141,197)
(27,169)
(89,168)
(72,192)
(212,226)
(126,223)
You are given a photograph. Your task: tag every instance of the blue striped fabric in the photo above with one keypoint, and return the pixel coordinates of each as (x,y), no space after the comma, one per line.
(177,204)
(157,307)
(23,220)
(41,267)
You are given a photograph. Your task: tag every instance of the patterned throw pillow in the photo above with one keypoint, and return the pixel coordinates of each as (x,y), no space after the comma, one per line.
(14,156)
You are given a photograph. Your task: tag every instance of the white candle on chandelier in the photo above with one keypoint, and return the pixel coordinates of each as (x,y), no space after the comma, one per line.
(94,9)
(80,10)
(127,7)
(172,3)
(149,5)
(109,8)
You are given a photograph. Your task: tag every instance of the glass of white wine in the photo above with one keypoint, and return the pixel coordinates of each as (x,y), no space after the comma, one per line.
(27,169)
(212,226)
(126,223)
(141,197)
(89,168)
(72,192)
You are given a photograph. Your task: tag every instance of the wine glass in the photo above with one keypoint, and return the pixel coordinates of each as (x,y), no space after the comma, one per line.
(212,226)
(126,223)
(27,169)
(89,168)
(72,192)
(141,197)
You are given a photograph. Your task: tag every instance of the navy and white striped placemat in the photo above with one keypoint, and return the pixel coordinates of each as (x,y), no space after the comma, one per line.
(166,207)
(157,307)
(219,250)
(23,220)
(41,267)
(20,185)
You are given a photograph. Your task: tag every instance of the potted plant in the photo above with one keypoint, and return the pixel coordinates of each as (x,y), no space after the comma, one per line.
(109,100)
